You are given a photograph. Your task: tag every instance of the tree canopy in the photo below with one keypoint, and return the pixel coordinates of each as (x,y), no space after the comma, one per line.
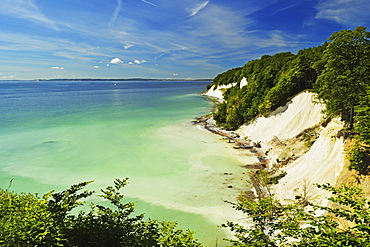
(300,222)
(338,71)
(343,82)
(272,81)
(28,220)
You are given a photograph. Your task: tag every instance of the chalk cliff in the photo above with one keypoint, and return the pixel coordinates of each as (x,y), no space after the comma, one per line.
(283,136)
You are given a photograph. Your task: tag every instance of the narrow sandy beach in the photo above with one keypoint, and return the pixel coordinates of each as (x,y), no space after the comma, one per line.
(278,135)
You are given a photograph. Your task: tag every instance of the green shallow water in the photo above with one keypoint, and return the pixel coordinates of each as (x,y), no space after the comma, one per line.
(61,133)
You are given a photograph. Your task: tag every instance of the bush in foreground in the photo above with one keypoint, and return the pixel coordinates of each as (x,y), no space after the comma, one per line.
(28,220)
(345,223)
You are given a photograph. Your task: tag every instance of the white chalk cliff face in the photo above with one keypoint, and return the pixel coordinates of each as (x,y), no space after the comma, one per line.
(217,92)
(321,164)
(243,82)
(301,113)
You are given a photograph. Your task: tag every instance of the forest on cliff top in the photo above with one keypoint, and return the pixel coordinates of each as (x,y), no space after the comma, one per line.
(338,71)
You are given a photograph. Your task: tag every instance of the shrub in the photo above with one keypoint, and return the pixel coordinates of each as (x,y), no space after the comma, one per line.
(28,220)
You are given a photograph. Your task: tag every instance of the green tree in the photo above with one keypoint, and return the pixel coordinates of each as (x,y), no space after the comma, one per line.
(347,223)
(27,220)
(359,157)
(346,72)
(272,81)
(363,118)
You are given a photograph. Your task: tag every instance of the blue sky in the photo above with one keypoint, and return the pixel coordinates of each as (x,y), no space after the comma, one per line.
(160,38)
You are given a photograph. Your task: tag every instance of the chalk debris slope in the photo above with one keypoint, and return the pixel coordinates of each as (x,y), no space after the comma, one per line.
(323,161)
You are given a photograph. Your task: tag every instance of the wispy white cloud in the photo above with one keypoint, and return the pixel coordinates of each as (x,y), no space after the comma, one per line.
(8,77)
(115,13)
(57,67)
(54,46)
(127,46)
(26,9)
(285,8)
(96,67)
(346,12)
(217,31)
(193,11)
(221,26)
(149,3)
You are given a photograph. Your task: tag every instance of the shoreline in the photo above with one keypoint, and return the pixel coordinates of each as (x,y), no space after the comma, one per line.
(285,135)
(208,124)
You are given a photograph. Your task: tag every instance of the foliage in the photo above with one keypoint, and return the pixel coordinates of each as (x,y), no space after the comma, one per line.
(227,77)
(338,70)
(28,220)
(275,224)
(359,157)
(344,86)
(363,119)
(346,73)
(266,215)
(272,81)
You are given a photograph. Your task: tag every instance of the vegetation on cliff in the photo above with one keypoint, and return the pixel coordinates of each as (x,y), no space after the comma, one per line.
(272,81)
(338,70)
(304,223)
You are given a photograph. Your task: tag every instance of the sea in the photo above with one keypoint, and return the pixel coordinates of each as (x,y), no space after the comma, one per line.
(54,134)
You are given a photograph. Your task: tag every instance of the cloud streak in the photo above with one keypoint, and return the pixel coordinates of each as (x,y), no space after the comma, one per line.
(197,8)
(155,5)
(185,37)
(345,12)
(26,9)
(115,13)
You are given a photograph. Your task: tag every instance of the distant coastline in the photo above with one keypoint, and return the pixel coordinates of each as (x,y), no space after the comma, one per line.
(117,79)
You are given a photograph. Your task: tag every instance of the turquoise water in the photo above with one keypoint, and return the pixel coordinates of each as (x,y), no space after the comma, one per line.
(54,134)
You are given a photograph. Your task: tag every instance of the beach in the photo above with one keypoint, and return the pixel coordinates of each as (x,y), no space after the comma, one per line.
(283,147)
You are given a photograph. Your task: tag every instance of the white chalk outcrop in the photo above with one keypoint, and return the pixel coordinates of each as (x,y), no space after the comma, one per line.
(321,164)
(218,91)
(243,82)
(301,113)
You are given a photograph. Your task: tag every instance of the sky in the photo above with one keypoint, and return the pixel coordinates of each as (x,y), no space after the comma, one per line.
(49,39)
